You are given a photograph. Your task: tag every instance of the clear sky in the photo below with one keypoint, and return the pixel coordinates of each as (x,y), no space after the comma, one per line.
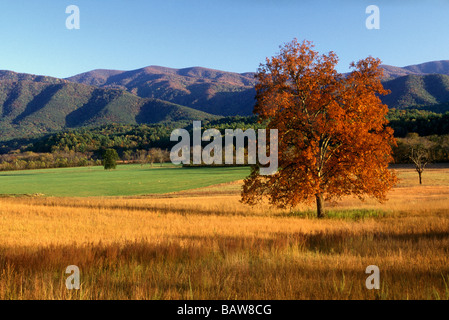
(233,35)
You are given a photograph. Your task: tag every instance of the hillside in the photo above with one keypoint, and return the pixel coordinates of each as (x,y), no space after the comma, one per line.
(213,91)
(417,91)
(424,85)
(31,105)
(6,75)
(432,67)
(227,93)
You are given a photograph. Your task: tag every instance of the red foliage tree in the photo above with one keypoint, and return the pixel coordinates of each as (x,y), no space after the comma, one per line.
(333,134)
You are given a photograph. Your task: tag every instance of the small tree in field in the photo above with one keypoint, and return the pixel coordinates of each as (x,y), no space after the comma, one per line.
(127,155)
(333,138)
(162,155)
(110,158)
(419,152)
(153,155)
(420,157)
(142,157)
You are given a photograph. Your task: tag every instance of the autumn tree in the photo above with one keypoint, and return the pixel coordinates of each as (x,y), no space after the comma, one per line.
(161,156)
(333,139)
(152,156)
(142,157)
(127,155)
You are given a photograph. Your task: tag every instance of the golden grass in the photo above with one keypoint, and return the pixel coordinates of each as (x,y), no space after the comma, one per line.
(204,244)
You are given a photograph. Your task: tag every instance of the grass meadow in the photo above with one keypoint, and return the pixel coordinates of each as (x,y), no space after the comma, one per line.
(132,179)
(196,240)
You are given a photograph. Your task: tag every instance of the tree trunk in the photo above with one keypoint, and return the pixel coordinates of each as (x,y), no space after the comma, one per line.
(420,180)
(320,206)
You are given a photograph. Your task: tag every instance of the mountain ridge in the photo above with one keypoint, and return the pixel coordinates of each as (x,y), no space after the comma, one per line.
(29,107)
(36,104)
(425,68)
(208,90)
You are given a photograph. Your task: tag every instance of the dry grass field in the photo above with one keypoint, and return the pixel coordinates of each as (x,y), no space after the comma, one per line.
(205,244)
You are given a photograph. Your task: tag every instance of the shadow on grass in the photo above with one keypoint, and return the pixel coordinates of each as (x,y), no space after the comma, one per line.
(414,237)
(116,270)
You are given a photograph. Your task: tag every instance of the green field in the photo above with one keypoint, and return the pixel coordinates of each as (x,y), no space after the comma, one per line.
(126,180)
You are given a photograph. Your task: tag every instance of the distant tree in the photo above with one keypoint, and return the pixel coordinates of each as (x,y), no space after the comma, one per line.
(127,155)
(152,156)
(420,152)
(110,158)
(420,157)
(142,157)
(333,134)
(161,155)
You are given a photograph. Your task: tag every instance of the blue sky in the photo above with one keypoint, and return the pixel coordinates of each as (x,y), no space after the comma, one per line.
(234,35)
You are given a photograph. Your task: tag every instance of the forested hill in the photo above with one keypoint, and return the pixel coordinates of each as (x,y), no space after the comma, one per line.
(431,67)
(34,105)
(213,91)
(31,105)
(428,91)
(225,93)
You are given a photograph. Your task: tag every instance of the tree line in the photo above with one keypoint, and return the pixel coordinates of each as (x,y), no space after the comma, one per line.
(422,122)
(150,143)
(62,159)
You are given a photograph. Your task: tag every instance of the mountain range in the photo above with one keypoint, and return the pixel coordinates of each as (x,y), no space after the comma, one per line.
(212,91)
(32,104)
